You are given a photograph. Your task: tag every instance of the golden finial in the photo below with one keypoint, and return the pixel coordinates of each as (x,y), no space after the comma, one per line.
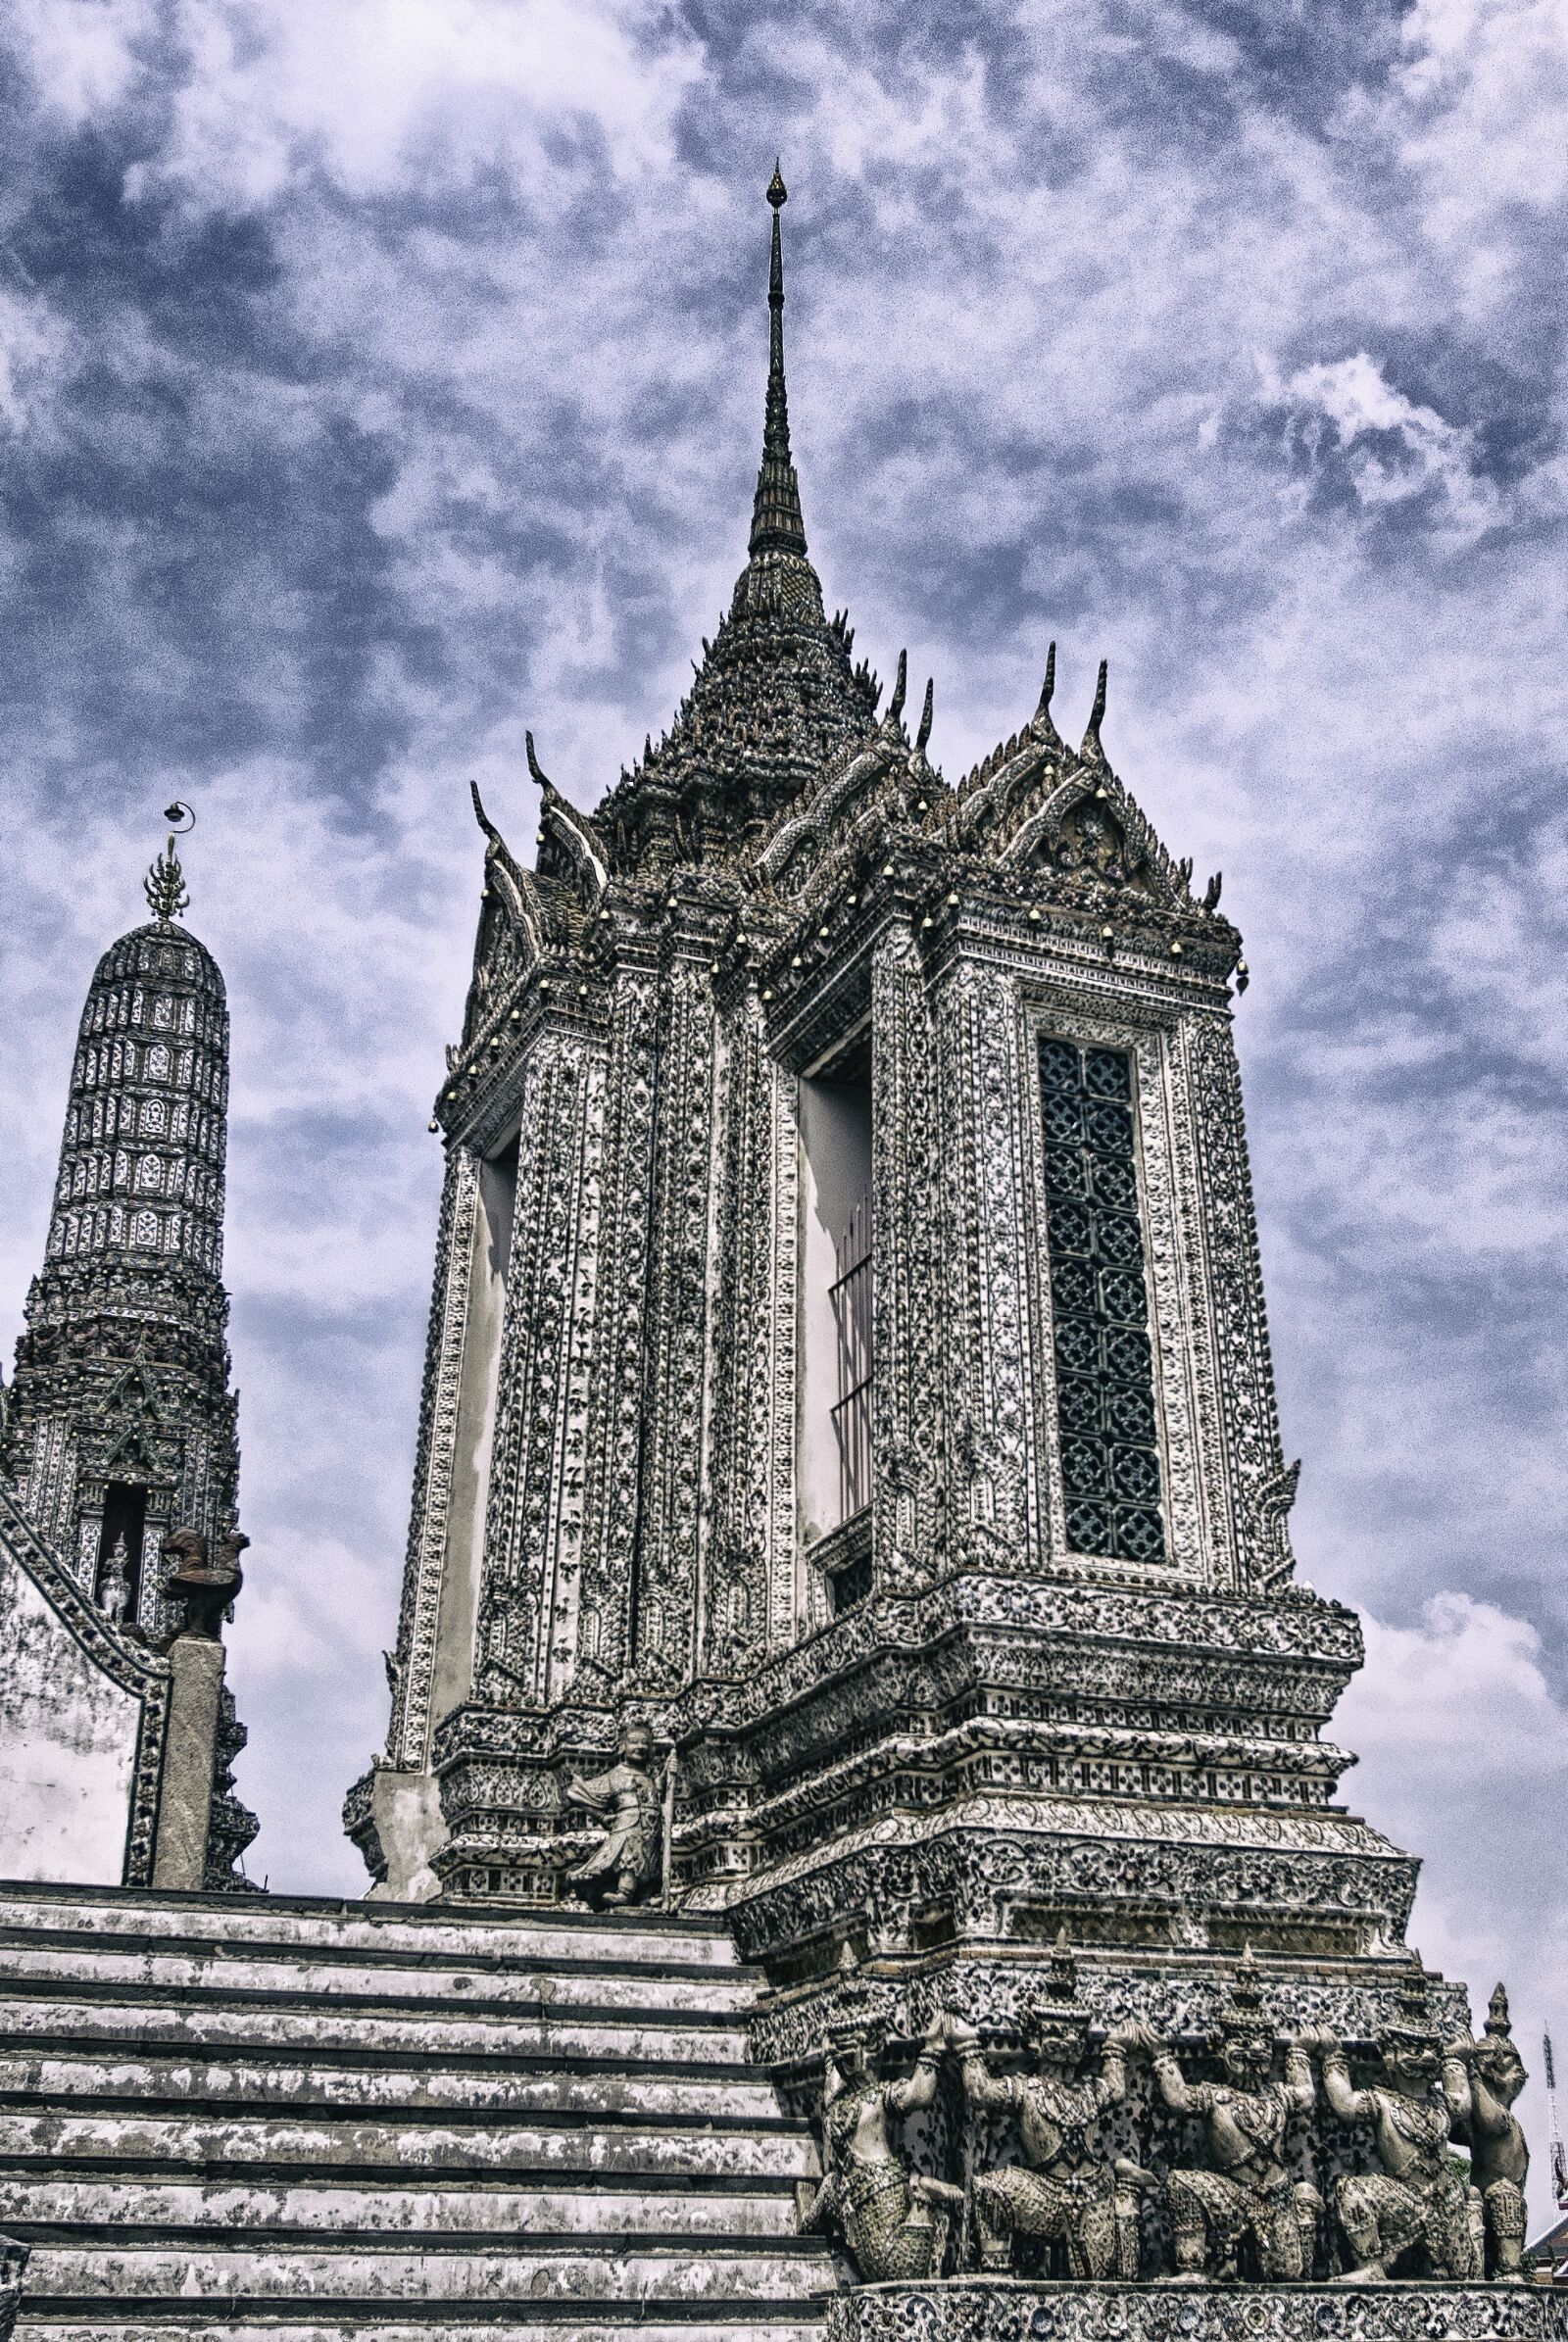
(777,192)
(165,883)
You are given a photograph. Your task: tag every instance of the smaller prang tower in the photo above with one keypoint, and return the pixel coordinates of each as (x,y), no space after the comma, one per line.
(120,1424)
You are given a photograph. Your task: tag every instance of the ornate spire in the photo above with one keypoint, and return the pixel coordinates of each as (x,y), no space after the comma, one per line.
(776,522)
(165,883)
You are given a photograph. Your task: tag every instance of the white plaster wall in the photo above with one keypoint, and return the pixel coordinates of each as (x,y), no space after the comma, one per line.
(475,1429)
(67,1745)
(835,1173)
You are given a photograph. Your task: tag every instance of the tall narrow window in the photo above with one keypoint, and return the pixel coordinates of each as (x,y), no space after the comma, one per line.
(851,1315)
(833,1430)
(1099,1305)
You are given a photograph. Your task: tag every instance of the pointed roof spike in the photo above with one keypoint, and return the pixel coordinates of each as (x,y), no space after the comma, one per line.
(540,777)
(1040,721)
(899,686)
(777,526)
(1096,714)
(924,733)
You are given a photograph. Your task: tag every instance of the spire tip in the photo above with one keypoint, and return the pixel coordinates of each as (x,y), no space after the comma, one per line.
(777,192)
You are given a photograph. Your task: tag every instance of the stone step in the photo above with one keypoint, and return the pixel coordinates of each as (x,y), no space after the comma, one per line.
(281,1978)
(123,2267)
(673,2321)
(380,1931)
(222,2117)
(431,2210)
(61,2026)
(665,2039)
(499,2088)
(694,2145)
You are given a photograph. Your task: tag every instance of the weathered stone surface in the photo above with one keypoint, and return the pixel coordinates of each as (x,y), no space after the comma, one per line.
(1011,2309)
(186,1791)
(331,2116)
(81,1723)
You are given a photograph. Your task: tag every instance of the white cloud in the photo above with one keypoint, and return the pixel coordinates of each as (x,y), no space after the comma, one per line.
(1393,449)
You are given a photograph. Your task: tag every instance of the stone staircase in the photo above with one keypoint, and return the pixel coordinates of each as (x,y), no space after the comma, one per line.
(235,2115)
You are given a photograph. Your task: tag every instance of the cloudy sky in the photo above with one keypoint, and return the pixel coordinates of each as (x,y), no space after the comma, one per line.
(379,376)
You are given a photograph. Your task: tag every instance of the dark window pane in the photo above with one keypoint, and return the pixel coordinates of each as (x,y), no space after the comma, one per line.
(1077,1344)
(1059,1066)
(1083,1467)
(1104,1390)
(1066,1172)
(1135,1474)
(1113,1184)
(1078,1404)
(1106,1072)
(1129,1413)
(1116,1238)
(1108,1129)
(1072,1228)
(1127,1355)
(1063,1119)
(1089,1528)
(1072,1287)
(1121,1297)
(1138,1536)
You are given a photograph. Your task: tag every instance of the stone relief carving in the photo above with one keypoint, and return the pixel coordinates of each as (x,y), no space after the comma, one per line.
(13,2259)
(1481,2080)
(625,1865)
(893,2222)
(1242,2213)
(1417,2208)
(1069,2191)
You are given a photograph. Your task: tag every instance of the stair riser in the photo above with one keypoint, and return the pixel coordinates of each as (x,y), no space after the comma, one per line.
(541,2033)
(729,2321)
(441,2148)
(653,2085)
(524,2275)
(374,2212)
(522,1985)
(635,1942)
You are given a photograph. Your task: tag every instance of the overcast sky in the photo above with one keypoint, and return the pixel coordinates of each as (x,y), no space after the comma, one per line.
(380,376)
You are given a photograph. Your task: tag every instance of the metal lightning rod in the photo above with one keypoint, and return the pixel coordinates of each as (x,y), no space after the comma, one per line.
(1559,2160)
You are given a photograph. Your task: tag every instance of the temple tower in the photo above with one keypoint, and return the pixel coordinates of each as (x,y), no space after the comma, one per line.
(849,1362)
(120,1423)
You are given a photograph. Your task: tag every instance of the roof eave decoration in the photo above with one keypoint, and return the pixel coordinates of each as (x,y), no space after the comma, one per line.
(515,887)
(573,838)
(1019,805)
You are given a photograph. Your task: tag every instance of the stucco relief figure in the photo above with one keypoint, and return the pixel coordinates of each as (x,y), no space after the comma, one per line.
(1067,2191)
(1243,2216)
(625,1865)
(893,2223)
(1418,2208)
(1481,2080)
(13,2259)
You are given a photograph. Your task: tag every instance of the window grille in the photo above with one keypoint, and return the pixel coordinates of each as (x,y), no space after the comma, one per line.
(850,1296)
(1099,1305)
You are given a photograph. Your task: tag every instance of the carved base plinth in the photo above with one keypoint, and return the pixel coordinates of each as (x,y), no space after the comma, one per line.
(1014,2310)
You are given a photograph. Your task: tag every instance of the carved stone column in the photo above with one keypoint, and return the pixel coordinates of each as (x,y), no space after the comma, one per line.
(538,1474)
(909,1391)
(186,1787)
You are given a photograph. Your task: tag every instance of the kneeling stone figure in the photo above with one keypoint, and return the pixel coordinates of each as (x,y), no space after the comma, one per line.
(1067,2190)
(894,2223)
